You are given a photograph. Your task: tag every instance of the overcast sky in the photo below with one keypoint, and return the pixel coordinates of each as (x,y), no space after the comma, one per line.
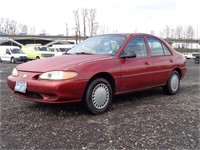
(115,15)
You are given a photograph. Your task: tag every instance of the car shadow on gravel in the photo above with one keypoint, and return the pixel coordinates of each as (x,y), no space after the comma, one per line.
(59,109)
(137,98)
(144,95)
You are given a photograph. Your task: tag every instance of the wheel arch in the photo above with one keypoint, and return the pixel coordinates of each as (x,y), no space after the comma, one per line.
(104,75)
(179,72)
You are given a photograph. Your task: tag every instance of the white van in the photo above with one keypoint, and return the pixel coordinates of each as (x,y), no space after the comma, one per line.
(60,49)
(12,54)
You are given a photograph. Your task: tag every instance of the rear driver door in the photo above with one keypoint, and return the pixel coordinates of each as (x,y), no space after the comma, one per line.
(162,59)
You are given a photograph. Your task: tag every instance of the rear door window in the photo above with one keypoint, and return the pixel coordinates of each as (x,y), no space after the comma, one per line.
(157,47)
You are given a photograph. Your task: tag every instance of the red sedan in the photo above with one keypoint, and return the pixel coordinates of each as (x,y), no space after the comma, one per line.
(98,68)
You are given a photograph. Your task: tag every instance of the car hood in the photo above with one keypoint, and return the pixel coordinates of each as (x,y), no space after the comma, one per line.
(59,62)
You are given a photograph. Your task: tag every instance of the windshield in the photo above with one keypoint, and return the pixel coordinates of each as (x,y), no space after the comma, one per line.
(62,49)
(103,44)
(43,49)
(17,51)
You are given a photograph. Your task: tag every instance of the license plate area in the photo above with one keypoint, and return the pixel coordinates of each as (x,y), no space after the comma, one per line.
(20,86)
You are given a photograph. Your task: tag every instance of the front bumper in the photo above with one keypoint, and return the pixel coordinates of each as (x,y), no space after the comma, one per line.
(63,91)
(21,59)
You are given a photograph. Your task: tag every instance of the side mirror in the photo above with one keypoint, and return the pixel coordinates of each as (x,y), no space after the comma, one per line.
(128,55)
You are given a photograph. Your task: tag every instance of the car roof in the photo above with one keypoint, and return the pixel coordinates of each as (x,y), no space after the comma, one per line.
(131,34)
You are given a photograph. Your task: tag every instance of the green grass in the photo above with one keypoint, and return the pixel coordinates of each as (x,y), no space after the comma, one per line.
(187,50)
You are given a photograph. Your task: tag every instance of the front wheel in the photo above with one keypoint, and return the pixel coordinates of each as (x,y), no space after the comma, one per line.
(173,84)
(12,60)
(196,60)
(98,96)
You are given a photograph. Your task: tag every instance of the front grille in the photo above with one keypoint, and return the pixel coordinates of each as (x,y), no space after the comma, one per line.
(47,55)
(23,57)
(38,96)
(31,95)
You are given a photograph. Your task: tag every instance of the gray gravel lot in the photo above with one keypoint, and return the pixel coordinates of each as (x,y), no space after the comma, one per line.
(144,120)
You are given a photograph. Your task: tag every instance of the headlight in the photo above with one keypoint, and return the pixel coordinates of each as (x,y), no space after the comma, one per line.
(58,75)
(14,72)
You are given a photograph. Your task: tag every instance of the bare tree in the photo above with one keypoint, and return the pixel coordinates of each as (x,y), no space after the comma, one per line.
(172,34)
(92,23)
(152,32)
(84,15)
(33,30)
(179,32)
(189,32)
(166,32)
(102,29)
(6,26)
(13,27)
(22,29)
(1,24)
(77,22)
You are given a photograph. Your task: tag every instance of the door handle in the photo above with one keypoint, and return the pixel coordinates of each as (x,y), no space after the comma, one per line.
(146,63)
(171,60)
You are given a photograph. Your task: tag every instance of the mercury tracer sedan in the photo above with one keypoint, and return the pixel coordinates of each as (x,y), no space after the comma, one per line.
(99,68)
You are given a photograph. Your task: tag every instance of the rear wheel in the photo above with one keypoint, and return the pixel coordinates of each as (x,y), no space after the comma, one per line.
(173,84)
(98,96)
(37,57)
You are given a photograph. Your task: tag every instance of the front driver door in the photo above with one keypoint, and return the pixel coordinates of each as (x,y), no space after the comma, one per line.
(137,73)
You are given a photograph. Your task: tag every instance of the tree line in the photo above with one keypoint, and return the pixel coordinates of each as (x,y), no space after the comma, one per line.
(179,32)
(8,26)
(86,24)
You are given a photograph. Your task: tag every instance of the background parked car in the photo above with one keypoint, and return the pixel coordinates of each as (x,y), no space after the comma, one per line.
(12,54)
(197,58)
(60,49)
(37,51)
(188,55)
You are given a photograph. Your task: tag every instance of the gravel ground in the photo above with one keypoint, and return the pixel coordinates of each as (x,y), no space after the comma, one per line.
(144,120)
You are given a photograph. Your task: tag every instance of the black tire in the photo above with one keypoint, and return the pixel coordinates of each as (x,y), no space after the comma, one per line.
(196,60)
(12,60)
(98,96)
(37,57)
(173,84)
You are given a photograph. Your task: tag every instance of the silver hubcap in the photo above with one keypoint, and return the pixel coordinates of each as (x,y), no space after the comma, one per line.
(174,82)
(100,96)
